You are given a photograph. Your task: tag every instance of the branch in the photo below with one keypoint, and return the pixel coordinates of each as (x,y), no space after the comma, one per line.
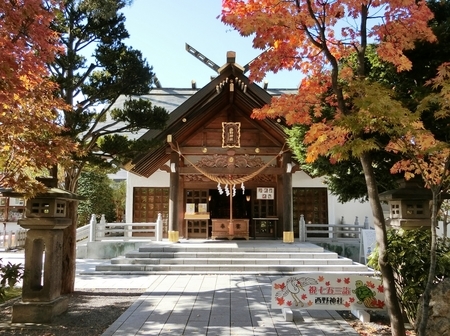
(362,51)
(92,129)
(91,68)
(334,64)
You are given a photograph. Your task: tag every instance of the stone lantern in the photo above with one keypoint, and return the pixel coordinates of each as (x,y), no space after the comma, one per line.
(409,205)
(46,217)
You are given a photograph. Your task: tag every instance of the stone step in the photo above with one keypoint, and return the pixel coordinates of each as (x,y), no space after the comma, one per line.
(221,261)
(311,248)
(211,257)
(368,272)
(233,255)
(247,269)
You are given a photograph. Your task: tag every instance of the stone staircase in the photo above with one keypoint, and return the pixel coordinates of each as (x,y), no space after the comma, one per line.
(231,257)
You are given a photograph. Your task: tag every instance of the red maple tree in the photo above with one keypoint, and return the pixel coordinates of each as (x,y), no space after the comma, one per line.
(29,110)
(316,37)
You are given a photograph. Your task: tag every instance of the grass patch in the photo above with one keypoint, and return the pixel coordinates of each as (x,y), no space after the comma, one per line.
(11,293)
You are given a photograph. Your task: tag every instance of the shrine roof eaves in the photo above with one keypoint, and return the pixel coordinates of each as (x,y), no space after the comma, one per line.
(254,96)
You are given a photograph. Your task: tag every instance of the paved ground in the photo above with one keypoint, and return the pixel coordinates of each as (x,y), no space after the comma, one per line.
(218,305)
(203,305)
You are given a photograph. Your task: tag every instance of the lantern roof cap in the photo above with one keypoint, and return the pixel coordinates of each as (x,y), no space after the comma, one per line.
(411,190)
(59,193)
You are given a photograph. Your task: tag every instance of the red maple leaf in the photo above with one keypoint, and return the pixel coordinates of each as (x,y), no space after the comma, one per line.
(352,299)
(279,286)
(280,301)
(327,283)
(380,289)
(370,284)
(339,280)
(347,280)
(304,297)
(289,303)
(380,304)
(346,304)
(320,278)
(310,303)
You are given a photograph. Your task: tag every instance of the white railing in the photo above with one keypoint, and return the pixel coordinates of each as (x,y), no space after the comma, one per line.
(83,233)
(103,231)
(13,239)
(332,232)
(340,236)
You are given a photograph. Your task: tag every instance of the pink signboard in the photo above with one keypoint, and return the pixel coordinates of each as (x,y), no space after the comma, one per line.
(324,291)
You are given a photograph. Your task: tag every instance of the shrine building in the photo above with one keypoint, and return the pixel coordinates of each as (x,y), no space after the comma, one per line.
(220,173)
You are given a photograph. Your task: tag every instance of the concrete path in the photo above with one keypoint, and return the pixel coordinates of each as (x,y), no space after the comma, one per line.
(202,305)
(219,305)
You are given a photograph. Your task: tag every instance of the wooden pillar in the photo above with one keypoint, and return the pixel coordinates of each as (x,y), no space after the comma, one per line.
(173,233)
(231,225)
(180,206)
(288,220)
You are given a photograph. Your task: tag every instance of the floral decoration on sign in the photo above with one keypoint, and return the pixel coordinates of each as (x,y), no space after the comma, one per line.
(328,291)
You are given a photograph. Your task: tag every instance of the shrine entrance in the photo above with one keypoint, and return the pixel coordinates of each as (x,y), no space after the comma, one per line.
(219,207)
(260,214)
(256,217)
(214,151)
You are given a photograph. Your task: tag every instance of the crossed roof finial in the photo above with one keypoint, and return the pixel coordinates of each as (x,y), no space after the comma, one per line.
(210,63)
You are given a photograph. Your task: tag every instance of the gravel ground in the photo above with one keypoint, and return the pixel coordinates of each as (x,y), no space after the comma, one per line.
(379,324)
(92,311)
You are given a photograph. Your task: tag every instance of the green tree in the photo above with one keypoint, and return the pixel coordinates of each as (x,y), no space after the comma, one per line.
(409,254)
(91,86)
(428,157)
(119,195)
(346,179)
(98,195)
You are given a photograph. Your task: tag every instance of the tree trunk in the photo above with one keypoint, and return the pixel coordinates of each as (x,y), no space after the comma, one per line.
(393,306)
(445,224)
(432,271)
(69,249)
(69,252)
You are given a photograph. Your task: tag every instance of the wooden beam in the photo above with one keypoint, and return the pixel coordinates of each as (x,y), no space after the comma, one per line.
(233,171)
(223,151)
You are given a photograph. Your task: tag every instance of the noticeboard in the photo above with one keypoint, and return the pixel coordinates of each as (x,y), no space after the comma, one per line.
(265,193)
(327,291)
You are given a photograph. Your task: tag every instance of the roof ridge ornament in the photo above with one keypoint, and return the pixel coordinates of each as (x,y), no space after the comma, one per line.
(231,59)
(202,58)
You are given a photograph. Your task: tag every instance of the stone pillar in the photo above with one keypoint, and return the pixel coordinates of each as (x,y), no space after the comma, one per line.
(288,220)
(41,290)
(46,286)
(173,232)
(46,219)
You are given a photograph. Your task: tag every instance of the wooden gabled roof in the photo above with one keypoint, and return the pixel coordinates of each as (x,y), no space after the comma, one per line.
(230,95)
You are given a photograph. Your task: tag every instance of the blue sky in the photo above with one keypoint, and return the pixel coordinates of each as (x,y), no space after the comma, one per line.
(160,29)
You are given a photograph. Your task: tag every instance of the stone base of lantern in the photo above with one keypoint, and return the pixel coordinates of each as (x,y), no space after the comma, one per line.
(39,312)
